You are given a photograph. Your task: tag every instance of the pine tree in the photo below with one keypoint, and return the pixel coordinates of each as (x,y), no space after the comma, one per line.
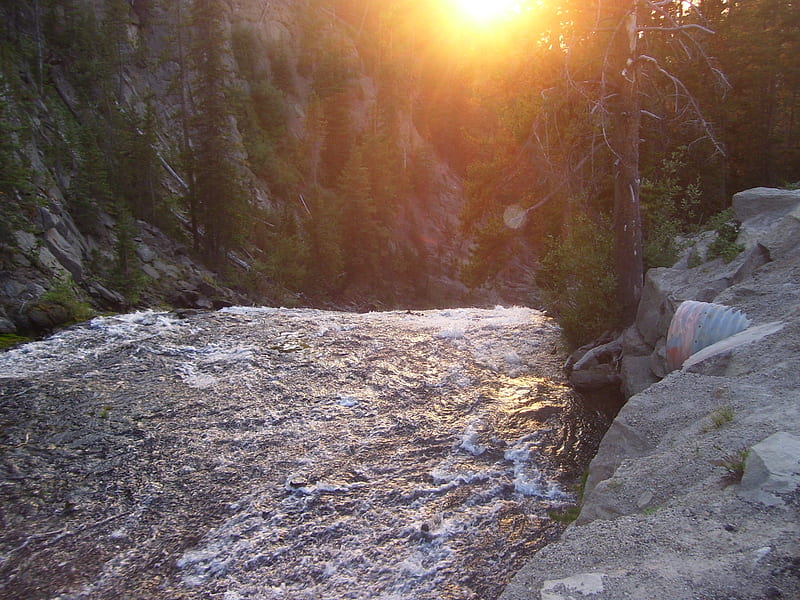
(216,160)
(138,178)
(365,238)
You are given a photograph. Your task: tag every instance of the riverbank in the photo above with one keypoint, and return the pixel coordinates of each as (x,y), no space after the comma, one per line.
(695,489)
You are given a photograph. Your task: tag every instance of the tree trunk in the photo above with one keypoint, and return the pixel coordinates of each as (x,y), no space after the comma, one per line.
(626,118)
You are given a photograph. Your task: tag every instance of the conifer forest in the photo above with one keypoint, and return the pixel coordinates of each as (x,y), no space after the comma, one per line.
(398,153)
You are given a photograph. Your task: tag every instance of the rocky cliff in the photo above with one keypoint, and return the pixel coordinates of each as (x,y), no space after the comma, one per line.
(695,490)
(300,95)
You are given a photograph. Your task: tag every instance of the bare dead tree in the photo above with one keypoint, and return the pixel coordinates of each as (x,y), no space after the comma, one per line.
(612,96)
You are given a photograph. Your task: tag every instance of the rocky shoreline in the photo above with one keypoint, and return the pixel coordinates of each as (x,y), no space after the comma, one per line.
(695,489)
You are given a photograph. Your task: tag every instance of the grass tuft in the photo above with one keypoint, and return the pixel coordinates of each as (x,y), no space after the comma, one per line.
(734,463)
(719,417)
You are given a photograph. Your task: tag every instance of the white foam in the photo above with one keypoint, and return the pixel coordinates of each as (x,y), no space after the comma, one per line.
(69,347)
(528,484)
(518,453)
(454,331)
(447,475)
(528,479)
(294,483)
(147,322)
(203,564)
(248,310)
(469,441)
(413,567)
(347,401)
(189,374)
(214,354)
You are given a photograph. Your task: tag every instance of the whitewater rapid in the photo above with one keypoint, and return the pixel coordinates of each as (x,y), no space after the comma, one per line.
(291,453)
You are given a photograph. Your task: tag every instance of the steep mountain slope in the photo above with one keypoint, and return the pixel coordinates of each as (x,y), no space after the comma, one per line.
(171,153)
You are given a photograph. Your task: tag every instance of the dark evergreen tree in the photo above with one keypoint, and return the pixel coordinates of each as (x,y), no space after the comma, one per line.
(137,166)
(324,233)
(364,241)
(757,45)
(218,188)
(126,276)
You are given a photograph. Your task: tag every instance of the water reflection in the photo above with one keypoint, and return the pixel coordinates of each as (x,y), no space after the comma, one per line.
(327,455)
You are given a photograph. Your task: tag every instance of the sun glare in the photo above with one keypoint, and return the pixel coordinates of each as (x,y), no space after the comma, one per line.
(486,11)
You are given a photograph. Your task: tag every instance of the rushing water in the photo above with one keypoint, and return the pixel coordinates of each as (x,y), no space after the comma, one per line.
(289,453)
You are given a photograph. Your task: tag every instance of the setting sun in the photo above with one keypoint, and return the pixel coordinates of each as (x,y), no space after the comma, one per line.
(486,11)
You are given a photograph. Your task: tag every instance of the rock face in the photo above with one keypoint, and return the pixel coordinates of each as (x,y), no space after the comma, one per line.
(695,490)
(770,230)
(56,250)
(47,240)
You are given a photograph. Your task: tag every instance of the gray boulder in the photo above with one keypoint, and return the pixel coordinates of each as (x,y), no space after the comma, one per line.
(770,217)
(772,470)
(47,316)
(662,514)
(144,252)
(108,297)
(7,326)
(66,252)
(764,205)
(770,230)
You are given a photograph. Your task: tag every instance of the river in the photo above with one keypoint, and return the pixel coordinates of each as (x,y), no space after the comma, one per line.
(254,453)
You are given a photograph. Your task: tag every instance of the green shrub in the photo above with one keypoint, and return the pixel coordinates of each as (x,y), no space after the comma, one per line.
(719,417)
(247,49)
(271,108)
(570,513)
(489,253)
(63,293)
(281,67)
(734,463)
(724,245)
(578,279)
(669,207)
(8,340)
(16,174)
(287,261)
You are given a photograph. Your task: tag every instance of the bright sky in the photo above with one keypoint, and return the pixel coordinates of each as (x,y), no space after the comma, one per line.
(484,12)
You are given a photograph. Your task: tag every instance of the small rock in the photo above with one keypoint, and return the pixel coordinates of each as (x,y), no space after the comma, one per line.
(584,584)
(7,326)
(145,253)
(772,468)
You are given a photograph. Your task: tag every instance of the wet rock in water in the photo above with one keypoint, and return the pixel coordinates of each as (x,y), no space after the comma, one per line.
(595,366)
